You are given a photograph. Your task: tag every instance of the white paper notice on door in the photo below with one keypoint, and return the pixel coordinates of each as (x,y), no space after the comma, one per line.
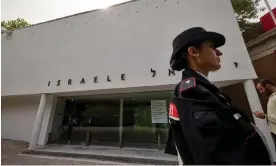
(159,112)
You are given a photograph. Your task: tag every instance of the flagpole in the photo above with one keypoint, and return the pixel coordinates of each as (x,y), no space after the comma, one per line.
(270,11)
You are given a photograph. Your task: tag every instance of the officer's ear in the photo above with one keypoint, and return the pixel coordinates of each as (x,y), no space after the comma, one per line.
(193,51)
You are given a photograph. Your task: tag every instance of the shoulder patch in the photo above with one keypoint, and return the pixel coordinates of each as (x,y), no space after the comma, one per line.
(187,84)
(173,113)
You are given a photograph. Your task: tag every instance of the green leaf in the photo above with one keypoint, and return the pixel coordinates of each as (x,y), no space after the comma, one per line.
(14,24)
(246,10)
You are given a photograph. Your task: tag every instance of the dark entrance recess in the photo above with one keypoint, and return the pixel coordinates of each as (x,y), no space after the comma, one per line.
(99,120)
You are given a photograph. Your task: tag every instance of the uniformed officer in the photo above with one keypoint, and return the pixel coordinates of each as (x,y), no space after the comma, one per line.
(205,127)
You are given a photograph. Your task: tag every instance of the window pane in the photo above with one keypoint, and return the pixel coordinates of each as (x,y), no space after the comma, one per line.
(138,129)
(91,122)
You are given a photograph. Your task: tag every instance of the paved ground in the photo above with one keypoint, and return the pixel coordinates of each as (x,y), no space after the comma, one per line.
(11,156)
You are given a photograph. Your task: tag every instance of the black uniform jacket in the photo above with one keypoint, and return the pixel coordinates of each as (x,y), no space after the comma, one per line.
(207,129)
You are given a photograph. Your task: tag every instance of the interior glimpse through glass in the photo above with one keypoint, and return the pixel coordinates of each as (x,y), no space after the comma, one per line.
(123,120)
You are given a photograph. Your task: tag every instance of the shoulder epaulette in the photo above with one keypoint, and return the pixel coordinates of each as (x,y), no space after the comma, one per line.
(187,84)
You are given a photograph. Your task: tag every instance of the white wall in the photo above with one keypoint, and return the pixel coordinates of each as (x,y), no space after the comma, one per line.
(18,114)
(130,38)
(17,117)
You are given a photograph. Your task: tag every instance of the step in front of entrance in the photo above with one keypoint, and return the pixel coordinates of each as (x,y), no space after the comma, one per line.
(120,159)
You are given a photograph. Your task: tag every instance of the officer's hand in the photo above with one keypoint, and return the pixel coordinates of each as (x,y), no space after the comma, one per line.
(259,114)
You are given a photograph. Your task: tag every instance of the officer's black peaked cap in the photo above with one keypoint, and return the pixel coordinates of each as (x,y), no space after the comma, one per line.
(192,36)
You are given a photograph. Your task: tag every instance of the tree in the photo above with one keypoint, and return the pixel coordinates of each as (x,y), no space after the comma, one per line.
(14,24)
(246,10)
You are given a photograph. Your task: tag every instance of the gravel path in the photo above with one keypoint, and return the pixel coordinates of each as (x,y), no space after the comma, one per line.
(11,156)
(10,148)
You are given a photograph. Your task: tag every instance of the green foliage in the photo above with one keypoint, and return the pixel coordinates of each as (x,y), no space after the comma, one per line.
(246,10)
(142,117)
(14,24)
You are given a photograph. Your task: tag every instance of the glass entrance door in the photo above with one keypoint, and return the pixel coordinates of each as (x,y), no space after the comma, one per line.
(121,120)
(101,120)
(90,122)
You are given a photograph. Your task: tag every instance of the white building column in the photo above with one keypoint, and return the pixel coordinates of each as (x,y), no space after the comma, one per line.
(48,118)
(180,162)
(38,122)
(255,105)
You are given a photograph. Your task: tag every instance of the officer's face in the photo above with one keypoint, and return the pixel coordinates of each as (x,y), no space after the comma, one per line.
(208,57)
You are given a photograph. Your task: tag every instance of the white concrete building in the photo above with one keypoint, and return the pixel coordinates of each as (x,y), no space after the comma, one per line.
(112,59)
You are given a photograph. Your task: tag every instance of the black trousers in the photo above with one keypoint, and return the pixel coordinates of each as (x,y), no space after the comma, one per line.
(274,138)
(70,130)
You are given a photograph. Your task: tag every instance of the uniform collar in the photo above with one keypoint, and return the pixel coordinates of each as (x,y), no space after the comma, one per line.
(202,75)
(203,81)
(200,78)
